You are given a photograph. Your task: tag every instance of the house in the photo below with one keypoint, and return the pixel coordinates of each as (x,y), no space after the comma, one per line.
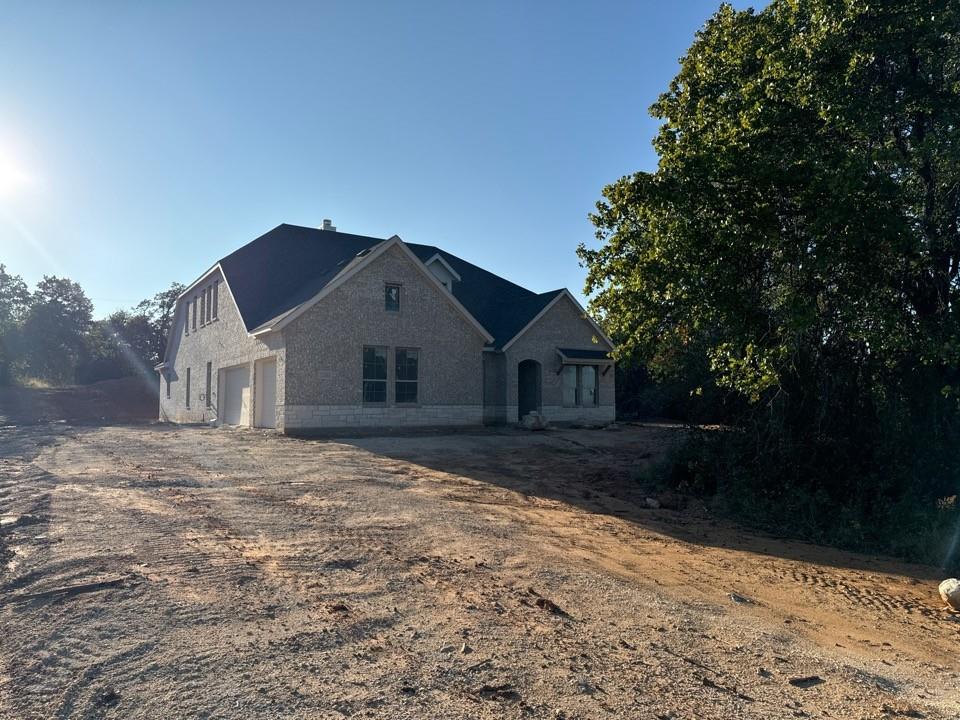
(308,328)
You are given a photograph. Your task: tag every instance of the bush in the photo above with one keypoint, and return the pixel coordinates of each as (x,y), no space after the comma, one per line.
(878,501)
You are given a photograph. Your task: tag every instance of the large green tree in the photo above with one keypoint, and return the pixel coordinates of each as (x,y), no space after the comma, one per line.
(53,333)
(801,234)
(14,302)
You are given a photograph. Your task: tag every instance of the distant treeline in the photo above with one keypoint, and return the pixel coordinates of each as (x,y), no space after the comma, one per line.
(49,334)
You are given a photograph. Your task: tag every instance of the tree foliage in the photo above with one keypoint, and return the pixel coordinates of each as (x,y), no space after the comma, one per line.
(54,329)
(801,236)
(50,334)
(14,301)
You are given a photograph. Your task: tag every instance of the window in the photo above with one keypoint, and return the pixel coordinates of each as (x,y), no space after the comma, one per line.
(209,294)
(374,374)
(407,372)
(391,298)
(578,384)
(588,385)
(166,377)
(203,308)
(188,387)
(209,378)
(194,323)
(186,320)
(216,297)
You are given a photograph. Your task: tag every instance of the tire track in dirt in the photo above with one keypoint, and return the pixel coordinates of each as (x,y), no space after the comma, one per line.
(307,579)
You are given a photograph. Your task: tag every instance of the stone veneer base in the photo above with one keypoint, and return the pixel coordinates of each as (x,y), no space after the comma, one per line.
(339,416)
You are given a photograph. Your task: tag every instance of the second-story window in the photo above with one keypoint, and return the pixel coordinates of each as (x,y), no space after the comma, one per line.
(216,297)
(391,295)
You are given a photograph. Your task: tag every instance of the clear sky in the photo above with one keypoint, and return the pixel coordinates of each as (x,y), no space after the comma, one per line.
(142,141)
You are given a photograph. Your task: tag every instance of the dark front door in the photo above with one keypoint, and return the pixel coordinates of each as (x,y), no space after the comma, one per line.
(528,387)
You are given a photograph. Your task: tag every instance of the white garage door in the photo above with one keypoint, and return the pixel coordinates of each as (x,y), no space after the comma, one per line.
(236,396)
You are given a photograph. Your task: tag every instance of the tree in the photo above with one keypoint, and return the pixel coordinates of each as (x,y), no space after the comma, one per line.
(129,342)
(54,329)
(14,302)
(801,235)
(159,311)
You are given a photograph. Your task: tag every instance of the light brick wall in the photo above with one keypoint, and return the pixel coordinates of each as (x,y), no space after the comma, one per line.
(223,342)
(324,352)
(562,326)
(494,388)
(340,416)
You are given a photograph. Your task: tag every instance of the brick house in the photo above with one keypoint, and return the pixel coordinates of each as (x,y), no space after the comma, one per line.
(308,328)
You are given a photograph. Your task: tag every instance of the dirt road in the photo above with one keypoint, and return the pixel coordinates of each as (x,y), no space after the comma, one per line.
(153,572)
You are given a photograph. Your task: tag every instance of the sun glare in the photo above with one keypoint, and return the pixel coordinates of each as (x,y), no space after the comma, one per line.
(15,174)
(13,179)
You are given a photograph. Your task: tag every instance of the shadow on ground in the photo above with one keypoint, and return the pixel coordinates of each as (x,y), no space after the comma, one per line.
(602,471)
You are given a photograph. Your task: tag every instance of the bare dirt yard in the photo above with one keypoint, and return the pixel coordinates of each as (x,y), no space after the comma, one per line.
(148,571)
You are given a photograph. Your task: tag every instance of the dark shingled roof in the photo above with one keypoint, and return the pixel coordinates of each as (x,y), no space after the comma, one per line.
(288,265)
(502,307)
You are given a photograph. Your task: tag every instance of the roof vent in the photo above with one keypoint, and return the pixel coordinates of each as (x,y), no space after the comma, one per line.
(328,225)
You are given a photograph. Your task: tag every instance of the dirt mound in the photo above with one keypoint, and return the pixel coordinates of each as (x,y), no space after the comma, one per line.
(129,399)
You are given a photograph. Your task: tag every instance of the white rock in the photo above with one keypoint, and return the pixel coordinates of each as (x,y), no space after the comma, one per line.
(533,421)
(950,592)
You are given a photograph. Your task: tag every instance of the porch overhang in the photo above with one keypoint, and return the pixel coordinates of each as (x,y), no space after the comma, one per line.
(575,356)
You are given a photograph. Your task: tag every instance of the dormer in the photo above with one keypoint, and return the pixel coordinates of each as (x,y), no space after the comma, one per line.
(442,270)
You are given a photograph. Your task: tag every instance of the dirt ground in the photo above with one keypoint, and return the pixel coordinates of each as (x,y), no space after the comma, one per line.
(148,571)
(128,399)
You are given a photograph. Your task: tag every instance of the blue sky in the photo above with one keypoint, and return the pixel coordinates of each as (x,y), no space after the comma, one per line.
(142,141)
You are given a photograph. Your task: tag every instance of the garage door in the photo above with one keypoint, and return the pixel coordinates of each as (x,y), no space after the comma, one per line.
(236,396)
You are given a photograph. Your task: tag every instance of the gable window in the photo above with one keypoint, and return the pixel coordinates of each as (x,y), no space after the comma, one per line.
(166,376)
(209,295)
(408,362)
(216,297)
(391,294)
(578,385)
(186,320)
(194,321)
(203,308)
(374,374)
(188,387)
